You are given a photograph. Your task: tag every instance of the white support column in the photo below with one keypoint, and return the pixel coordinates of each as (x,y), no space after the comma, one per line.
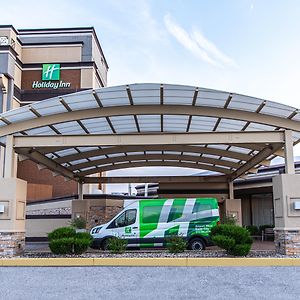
(289,153)
(231,190)
(10,164)
(13,194)
(80,191)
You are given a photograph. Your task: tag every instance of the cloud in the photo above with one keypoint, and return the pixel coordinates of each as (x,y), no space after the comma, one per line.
(186,41)
(198,44)
(210,47)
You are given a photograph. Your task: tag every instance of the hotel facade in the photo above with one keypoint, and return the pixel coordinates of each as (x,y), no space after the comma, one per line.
(62,129)
(38,64)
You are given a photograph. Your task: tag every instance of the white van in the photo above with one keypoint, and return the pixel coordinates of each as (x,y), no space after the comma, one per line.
(148,223)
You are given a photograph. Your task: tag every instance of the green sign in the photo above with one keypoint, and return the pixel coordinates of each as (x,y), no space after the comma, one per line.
(127,229)
(51,72)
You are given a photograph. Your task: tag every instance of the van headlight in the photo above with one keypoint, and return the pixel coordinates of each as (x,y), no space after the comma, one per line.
(96,230)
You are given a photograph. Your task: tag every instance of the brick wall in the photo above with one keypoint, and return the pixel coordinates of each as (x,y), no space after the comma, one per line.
(12,243)
(28,171)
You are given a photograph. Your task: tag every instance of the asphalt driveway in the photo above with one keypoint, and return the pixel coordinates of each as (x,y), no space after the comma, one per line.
(149,283)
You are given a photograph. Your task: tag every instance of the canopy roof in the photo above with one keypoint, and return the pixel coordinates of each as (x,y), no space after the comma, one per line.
(150,125)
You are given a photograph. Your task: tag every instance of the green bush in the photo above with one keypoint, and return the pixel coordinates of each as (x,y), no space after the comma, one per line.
(117,245)
(223,241)
(78,223)
(62,246)
(63,232)
(83,235)
(240,249)
(176,244)
(65,240)
(229,220)
(253,230)
(234,239)
(81,245)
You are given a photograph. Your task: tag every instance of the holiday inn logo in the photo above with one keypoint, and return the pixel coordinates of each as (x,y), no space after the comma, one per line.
(50,78)
(51,72)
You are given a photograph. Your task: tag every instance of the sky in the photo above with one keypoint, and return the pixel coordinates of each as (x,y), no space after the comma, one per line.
(243,46)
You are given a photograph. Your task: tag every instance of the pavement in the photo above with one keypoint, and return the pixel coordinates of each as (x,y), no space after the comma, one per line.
(150,283)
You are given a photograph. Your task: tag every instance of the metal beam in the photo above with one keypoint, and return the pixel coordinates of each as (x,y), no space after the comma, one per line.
(128,149)
(150,110)
(130,158)
(255,160)
(47,162)
(150,139)
(154,164)
(156,179)
(80,190)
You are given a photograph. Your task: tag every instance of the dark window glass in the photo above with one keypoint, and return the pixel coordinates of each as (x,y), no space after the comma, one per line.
(200,207)
(120,221)
(151,214)
(128,217)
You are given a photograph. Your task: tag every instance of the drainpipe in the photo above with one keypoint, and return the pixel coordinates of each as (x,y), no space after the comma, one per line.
(10,94)
(2,92)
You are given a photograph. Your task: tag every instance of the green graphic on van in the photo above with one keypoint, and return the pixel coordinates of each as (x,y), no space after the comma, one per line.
(51,72)
(127,229)
(149,223)
(178,216)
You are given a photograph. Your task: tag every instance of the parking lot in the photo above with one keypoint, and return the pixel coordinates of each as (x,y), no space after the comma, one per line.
(150,283)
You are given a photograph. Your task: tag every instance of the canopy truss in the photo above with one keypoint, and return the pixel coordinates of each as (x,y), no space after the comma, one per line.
(150,125)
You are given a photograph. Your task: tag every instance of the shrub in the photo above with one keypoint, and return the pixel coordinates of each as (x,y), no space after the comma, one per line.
(63,232)
(223,241)
(62,246)
(65,240)
(229,220)
(78,223)
(176,244)
(117,245)
(81,245)
(253,230)
(83,235)
(234,239)
(241,249)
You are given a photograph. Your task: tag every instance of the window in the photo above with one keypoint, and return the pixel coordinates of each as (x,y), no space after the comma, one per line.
(130,216)
(120,221)
(151,214)
(127,218)
(200,207)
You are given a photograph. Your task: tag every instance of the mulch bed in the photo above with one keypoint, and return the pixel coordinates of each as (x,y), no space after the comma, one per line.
(156,254)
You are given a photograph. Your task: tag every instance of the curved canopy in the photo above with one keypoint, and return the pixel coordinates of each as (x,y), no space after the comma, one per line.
(153,125)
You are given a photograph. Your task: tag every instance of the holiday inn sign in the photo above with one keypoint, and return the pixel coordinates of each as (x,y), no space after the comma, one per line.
(51,72)
(50,78)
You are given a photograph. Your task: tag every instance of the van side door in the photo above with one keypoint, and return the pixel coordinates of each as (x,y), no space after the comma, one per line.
(125,226)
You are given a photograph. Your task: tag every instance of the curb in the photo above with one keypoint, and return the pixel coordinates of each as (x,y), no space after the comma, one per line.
(150,262)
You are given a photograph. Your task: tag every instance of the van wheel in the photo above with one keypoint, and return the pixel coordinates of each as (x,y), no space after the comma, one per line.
(196,244)
(104,245)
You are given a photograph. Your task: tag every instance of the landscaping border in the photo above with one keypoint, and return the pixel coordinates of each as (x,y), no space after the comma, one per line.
(149,262)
